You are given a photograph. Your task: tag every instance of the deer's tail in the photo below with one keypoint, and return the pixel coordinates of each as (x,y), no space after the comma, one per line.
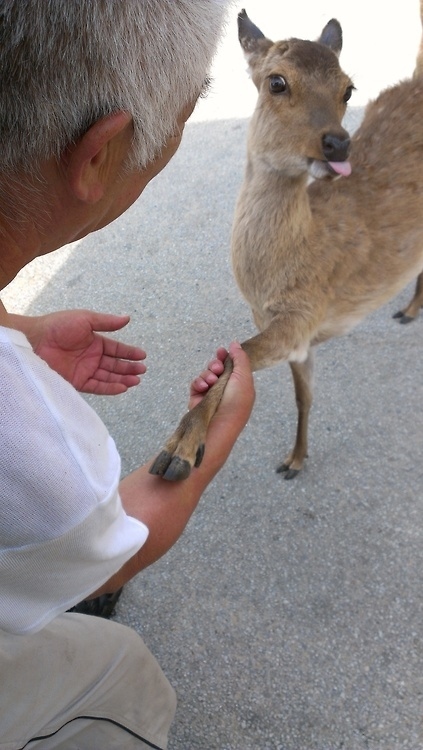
(418,71)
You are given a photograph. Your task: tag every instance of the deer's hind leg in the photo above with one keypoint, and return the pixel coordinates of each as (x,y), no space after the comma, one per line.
(412,310)
(302,373)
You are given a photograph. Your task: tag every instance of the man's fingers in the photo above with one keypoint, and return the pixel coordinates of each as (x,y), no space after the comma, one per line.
(119,350)
(107,321)
(122,366)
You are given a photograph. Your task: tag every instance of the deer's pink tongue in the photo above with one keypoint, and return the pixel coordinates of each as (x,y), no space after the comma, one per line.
(341,167)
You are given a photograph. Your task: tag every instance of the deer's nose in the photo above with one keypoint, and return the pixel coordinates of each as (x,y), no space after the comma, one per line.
(336,147)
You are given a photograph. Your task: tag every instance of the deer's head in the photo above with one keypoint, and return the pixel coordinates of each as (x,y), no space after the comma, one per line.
(302,99)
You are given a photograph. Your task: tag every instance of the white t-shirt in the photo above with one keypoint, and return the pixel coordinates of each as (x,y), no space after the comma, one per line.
(63,531)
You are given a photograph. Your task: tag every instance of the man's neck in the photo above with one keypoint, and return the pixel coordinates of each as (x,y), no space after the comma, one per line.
(18,246)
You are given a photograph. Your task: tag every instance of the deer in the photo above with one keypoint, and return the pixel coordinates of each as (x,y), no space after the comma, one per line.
(327,227)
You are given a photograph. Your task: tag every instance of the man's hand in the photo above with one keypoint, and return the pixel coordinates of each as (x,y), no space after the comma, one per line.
(239,394)
(207,378)
(71,343)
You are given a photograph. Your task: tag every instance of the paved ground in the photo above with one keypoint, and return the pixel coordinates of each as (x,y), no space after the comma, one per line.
(289,616)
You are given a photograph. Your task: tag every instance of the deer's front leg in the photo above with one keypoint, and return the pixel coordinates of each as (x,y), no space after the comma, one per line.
(185,448)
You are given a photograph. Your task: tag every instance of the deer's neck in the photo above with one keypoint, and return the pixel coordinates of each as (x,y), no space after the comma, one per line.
(276,206)
(271,234)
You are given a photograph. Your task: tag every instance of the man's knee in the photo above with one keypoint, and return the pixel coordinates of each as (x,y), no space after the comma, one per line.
(141,693)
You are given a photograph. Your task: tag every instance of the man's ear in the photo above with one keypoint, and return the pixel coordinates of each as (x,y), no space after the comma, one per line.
(97,156)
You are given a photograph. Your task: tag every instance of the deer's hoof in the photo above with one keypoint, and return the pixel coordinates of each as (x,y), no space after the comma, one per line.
(170,467)
(403,318)
(286,469)
(291,473)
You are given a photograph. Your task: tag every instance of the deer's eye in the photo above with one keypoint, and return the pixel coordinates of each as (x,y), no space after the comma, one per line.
(348,92)
(277,85)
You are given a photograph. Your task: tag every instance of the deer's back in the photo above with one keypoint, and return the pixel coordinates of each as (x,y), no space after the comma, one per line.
(369,226)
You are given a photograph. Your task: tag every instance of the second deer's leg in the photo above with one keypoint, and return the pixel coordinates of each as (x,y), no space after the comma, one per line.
(412,310)
(302,374)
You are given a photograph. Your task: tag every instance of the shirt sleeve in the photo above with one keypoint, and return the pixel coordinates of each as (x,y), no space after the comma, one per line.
(40,581)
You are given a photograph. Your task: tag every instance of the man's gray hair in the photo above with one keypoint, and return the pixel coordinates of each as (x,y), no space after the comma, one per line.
(66,63)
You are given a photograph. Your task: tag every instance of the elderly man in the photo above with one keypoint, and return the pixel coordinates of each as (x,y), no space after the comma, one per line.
(94,96)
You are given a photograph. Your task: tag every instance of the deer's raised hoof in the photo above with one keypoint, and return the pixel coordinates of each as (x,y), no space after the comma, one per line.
(173,468)
(170,467)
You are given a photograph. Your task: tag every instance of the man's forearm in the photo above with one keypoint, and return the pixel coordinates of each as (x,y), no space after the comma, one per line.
(166,507)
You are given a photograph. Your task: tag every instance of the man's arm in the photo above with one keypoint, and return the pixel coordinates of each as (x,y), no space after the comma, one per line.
(166,507)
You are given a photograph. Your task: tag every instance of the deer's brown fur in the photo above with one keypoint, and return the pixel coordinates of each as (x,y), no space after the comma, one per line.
(312,260)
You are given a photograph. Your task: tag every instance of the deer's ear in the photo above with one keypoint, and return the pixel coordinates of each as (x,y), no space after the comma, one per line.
(251,39)
(331,36)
